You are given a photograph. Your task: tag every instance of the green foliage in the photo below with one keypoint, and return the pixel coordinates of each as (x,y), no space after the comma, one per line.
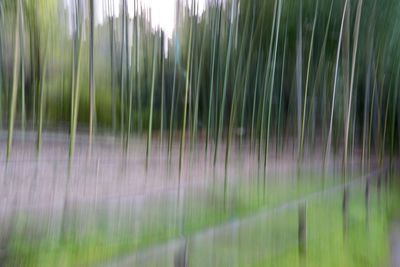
(232,64)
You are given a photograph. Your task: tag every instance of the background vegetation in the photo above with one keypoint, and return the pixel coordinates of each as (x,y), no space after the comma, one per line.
(323,72)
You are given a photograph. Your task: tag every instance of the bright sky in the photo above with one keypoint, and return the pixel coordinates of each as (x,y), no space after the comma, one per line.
(162,11)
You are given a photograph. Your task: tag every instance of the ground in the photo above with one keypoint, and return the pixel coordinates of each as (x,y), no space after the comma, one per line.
(107,203)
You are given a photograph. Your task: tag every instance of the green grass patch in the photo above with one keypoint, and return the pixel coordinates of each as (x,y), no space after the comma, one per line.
(265,242)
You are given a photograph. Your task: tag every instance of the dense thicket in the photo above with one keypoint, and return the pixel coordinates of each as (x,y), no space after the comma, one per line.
(319,72)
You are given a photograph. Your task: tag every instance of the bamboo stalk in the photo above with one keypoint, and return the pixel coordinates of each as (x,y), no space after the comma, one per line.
(281,93)
(328,145)
(75,102)
(187,88)
(197,91)
(266,152)
(300,157)
(174,86)
(92,104)
(162,91)
(13,105)
(253,113)
(22,49)
(41,106)
(153,85)
(216,30)
(246,83)
(225,85)
(355,47)
(267,73)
